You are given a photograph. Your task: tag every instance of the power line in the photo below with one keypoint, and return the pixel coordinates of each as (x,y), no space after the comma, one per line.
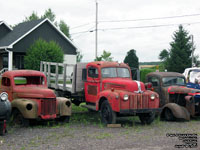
(81,25)
(145,19)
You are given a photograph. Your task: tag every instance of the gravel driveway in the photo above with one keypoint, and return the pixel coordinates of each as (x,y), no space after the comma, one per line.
(87,133)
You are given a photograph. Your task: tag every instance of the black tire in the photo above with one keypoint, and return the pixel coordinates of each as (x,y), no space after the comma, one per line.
(64,119)
(108,116)
(147,118)
(19,120)
(2,128)
(168,115)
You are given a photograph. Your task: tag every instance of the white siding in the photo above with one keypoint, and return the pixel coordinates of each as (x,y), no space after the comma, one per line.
(69,59)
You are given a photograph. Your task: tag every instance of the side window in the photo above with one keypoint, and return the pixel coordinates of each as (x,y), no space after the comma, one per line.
(5,81)
(154,81)
(93,72)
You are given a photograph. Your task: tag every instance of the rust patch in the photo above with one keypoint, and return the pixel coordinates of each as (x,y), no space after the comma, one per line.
(92,90)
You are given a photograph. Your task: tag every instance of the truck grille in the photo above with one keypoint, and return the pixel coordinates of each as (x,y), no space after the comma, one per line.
(139,101)
(48,106)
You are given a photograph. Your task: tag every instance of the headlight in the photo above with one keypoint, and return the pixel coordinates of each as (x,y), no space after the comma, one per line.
(125,97)
(153,96)
(4,96)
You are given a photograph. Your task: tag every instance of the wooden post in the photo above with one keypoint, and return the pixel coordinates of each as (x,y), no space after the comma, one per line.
(57,74)
(41,66)
(49,74)
(64,76)
(45,68)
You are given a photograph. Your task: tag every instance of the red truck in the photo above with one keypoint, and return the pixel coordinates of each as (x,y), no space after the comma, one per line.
(106,87)
(31,99)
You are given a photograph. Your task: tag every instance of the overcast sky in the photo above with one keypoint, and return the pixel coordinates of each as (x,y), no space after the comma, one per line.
(116,37)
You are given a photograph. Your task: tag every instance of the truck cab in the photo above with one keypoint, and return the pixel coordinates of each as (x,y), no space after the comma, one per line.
(109,89)
(31,99)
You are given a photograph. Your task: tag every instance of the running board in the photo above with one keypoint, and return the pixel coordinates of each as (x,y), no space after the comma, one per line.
(91,107)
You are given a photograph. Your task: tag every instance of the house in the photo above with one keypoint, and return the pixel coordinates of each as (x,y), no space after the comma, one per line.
(14,42)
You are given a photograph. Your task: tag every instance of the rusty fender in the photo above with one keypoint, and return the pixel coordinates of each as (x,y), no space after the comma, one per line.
(178,111)
(64,106)
(28,108)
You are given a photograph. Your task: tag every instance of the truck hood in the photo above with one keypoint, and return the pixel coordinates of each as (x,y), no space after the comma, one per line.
(182,90)
(33,92)
(123,84)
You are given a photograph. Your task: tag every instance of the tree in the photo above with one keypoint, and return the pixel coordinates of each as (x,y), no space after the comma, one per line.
(49,14)
(64,28)
(41,50)
(52,17)
(106,56)
(33,16)
(79,56)
(180,51)
(163,55)
(131,59)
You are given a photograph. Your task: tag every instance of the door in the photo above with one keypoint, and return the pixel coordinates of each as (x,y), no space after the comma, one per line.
(92,86)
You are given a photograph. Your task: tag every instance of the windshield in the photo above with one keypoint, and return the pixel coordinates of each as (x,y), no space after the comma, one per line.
(27,80)
(173,81)
(115,72)
(193,74)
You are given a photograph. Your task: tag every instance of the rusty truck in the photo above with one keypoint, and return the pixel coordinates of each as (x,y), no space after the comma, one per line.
(31,99)
(177,101)
(106,87)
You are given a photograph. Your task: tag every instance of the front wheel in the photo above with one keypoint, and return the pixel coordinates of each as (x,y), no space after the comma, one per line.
(108,116)
(19,120)
(169,115)
(2,128)
(147,118)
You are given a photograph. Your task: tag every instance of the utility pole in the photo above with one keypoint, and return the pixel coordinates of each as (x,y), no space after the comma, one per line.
(96,33)
(192,50)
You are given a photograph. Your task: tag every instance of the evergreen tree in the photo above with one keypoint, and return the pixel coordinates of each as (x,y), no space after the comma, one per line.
(131,59)
(180,51)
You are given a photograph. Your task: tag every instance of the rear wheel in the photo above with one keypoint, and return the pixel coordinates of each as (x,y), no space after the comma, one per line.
(19,120)
(147,118)
(169,115)
(108,116)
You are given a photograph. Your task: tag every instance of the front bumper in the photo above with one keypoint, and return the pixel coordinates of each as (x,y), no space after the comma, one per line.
(139,111)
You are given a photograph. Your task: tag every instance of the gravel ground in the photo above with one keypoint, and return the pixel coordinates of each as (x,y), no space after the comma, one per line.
(93,136)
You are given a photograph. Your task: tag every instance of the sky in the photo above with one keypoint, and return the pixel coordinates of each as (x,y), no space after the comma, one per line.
(146,26)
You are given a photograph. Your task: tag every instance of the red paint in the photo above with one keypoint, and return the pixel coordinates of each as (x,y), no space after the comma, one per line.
(34,90)
(114,89)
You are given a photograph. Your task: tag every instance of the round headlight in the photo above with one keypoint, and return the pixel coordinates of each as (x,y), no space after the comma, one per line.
(153,96)
(4,96)
(125,97)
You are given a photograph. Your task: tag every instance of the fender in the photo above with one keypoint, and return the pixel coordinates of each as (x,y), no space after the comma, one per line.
(112,96)
(64,106)
(177,110)
(27,107)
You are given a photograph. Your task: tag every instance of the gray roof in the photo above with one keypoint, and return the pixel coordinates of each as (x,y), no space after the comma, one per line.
(18,32)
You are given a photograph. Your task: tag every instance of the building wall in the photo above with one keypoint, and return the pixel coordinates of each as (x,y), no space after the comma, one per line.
(47,32)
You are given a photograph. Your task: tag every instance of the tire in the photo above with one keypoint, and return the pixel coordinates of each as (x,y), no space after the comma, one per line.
(19,120)
(168,115)
(2,128)
(147,118)
(108,116)
(64,119)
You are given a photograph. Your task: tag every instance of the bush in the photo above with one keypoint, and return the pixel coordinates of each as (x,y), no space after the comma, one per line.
(42,51)
(144,72)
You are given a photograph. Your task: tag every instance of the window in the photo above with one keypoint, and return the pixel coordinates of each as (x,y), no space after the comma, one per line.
(154,81)
(5,81)
(93,72)
(27,80)
(173,81)
(115,72)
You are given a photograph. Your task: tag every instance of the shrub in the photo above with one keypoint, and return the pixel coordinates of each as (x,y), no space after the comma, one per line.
(42,51)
